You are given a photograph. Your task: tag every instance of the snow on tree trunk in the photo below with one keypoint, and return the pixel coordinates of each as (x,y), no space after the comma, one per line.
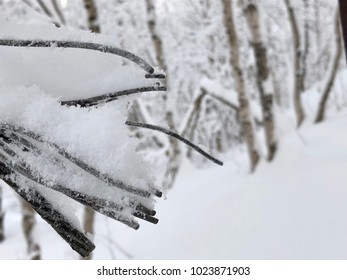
(333,71)
(263,78)
(298,65)
(245,111)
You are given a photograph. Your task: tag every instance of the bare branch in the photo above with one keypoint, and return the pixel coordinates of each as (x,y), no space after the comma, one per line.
(102,206)
(109,97)
(84,166)
(78,45)
(75,238)
(174,135)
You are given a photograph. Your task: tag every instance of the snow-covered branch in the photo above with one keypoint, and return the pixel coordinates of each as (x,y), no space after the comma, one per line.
(69,232)
(78,45)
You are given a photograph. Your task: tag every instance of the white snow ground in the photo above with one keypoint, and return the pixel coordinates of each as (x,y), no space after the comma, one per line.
(292,209)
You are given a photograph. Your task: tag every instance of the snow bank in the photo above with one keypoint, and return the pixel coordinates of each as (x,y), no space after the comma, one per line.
(293,208)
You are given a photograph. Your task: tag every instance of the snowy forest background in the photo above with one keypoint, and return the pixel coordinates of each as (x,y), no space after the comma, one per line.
(260,84)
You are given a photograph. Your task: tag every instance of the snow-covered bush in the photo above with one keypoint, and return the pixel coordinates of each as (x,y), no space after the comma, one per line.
(60,136)
(62,140)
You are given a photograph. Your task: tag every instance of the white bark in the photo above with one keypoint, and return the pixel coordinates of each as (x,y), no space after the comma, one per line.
(332,75)
(174,152)
(245,112)
(298,71)
(251,11)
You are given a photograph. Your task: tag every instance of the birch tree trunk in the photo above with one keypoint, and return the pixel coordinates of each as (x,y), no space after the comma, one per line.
(251,12)
(92,14)
(28,224)
(318,41)
(327,90)
(306,44)
(245,112)
(298,67)
(174,152)
(93,26)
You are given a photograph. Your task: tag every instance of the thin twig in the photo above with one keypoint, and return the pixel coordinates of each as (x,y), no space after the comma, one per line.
(100,205)
(91,200)
(175,135)
(95,203)
(78,45)
(109,97)
(84,166)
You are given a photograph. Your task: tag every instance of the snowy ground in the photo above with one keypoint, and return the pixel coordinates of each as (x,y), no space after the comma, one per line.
(292,209)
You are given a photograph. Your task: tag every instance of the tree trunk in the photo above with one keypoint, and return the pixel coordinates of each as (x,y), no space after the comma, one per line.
(88,225)
(2,231)
(174,152)
(306,43)
(93,26)
(298,68)
(343,16)
(332,76)
(251,12)
(92,14)
(28,224)
(245,112)
(318,41)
